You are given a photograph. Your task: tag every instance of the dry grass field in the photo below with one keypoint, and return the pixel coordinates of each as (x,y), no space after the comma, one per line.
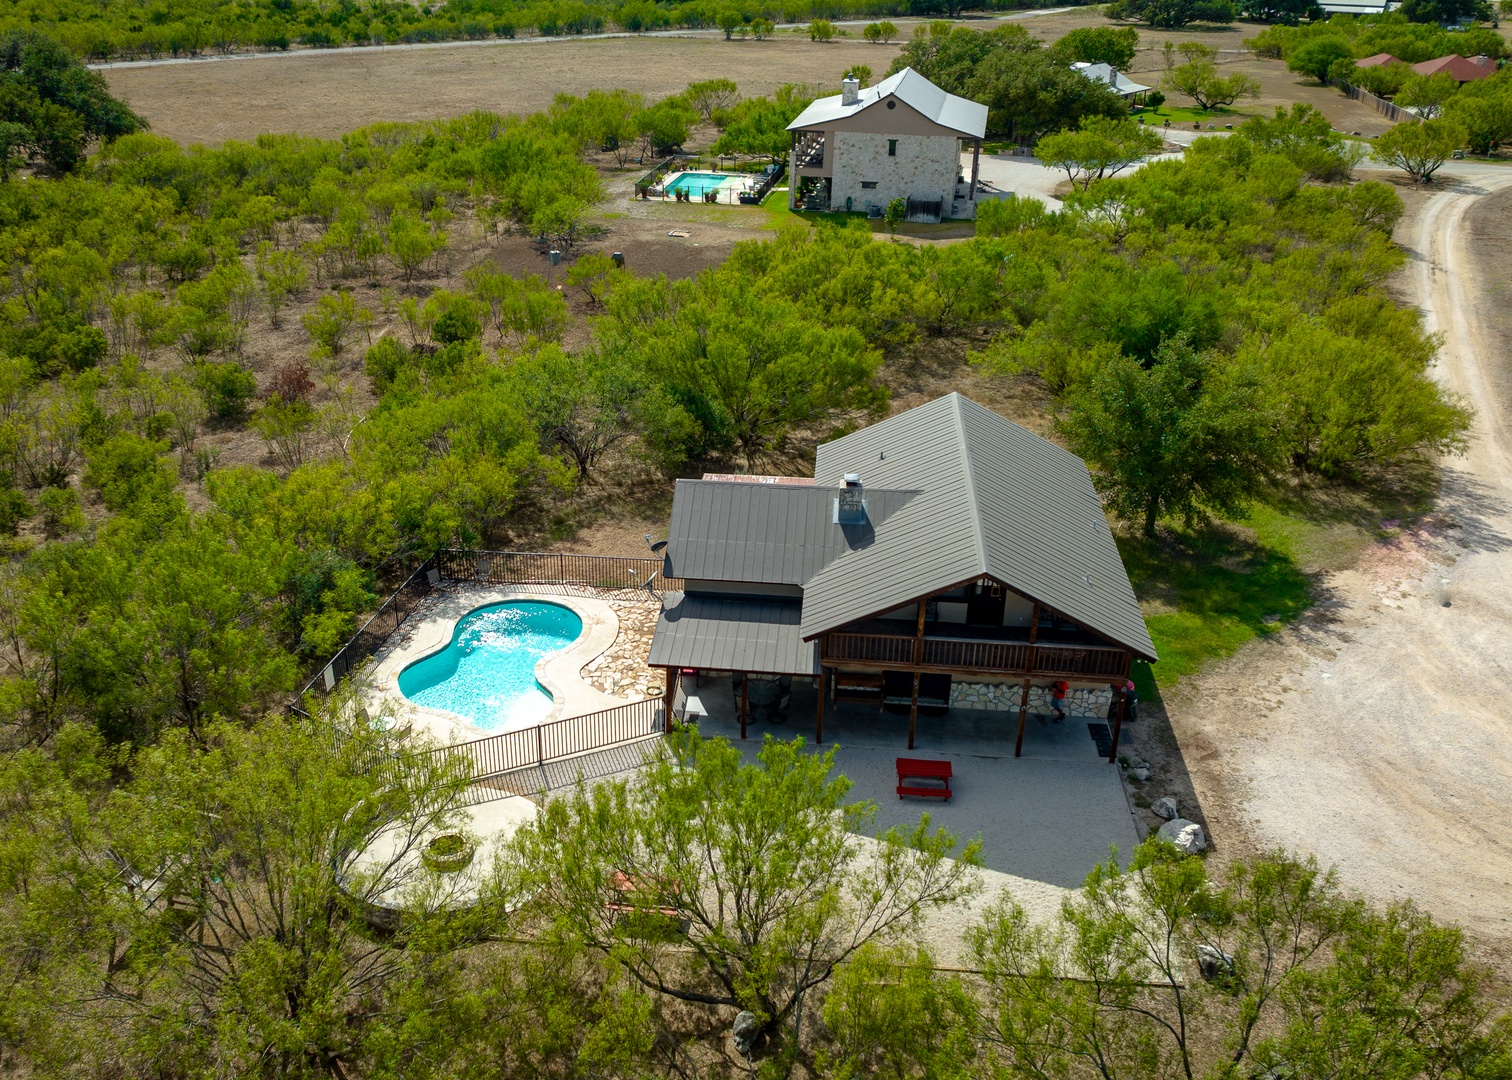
(326,94)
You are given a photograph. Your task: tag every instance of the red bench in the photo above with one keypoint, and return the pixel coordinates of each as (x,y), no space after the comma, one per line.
(923,769)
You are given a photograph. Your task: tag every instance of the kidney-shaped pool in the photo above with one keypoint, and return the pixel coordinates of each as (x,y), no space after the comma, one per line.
(486,674)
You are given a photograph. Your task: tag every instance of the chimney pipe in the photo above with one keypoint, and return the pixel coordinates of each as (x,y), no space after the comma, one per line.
(850,91)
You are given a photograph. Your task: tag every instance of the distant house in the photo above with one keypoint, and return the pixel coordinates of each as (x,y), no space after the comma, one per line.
(945,555)
(1461,69)
(1121,84)
(900,139)
(1356,7)
(1378,60)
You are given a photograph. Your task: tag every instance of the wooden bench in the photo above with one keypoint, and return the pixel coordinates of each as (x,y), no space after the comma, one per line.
(923,769)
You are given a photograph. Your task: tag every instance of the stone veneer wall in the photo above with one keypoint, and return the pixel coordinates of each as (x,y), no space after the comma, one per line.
(925,167)
(1004,697)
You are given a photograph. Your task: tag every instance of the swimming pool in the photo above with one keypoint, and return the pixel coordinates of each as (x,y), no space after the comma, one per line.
(486,674)
(696,183)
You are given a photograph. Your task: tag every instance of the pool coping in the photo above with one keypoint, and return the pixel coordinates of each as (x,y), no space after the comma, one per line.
(559,673)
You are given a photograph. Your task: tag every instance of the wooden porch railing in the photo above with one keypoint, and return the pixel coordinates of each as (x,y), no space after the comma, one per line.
(559,739)
(968,654)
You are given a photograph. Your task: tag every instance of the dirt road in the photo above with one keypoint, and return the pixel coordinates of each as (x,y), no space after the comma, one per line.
(1377,733)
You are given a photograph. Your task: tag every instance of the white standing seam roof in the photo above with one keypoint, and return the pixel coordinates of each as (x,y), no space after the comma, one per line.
(956,113)
(1107,74)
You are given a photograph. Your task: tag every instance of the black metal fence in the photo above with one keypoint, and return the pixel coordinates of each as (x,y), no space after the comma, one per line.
(763,189)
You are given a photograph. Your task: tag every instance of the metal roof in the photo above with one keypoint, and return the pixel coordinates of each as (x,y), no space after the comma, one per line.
(956,113)
(776,534)
(732,634)
(1110,76)
(995,501)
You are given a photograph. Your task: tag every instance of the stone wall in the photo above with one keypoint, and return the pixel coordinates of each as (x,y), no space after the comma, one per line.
(1005,697)
(925,167)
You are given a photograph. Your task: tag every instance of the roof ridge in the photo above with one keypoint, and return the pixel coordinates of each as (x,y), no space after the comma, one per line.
(976,517)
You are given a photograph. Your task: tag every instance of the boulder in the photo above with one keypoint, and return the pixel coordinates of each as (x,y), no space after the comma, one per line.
(745,1031)
(1165,807)
(1186,835)
(1214,964)
(1139,773)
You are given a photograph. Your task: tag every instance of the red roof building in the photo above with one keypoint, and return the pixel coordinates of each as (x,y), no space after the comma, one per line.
(1458,68)
(1380,59)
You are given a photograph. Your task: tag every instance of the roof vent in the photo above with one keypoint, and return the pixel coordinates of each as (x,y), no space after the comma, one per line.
(850,504)
(850,91)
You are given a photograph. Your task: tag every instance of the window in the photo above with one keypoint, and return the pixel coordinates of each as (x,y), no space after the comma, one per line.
(868,184)
(892,147)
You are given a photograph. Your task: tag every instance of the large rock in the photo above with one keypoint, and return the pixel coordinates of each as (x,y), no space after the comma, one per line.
(744,1032)
(1186,835)
(1165,807)
(1214,964)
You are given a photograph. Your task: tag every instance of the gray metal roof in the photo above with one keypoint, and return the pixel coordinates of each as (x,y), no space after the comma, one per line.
(914,90)
(995,501)
(780,534)
(732,634)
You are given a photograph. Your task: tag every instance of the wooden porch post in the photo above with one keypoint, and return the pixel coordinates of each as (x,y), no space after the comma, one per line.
(745,697)
(1034,614)
(976,164)
(913,711)
(669,721)
(819,711)
(918,659)
(1018,745)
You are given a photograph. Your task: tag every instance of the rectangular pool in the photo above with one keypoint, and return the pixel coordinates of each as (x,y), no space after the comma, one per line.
(697,183)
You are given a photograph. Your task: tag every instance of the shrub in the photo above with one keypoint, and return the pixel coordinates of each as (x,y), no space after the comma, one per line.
(128,470)
(821,30)
(226,386)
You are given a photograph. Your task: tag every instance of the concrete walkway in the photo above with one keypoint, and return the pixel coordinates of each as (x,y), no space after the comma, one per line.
(1049,816)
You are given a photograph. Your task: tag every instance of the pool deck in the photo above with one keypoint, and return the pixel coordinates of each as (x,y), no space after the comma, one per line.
(559,673)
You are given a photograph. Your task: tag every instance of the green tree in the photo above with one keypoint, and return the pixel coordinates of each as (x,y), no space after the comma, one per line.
(1172,14)
(1285,12)
(1446,12)
(52,106)
(210,908)
(892,1014)
(583,403)
(1426,95)
(1198,79)
(880,33)
(860,72)
(821,30)
(1159,971)
(1098,45)
(1103,147)
(333,321)
(1030,95)
(1177,437)
(411,244)
(1484,110)
(895,213)
(1420,147)
(758,126)
(282,274)
(1317,56)
(711,96)
(664,127)
(1306,138)
(750,870)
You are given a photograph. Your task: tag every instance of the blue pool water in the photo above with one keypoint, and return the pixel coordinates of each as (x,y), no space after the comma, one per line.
(487,673)
(696,183)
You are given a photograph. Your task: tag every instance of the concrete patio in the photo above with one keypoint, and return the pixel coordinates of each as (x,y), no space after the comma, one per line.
(1047,816)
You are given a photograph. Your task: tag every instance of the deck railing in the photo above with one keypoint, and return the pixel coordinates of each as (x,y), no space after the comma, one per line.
(969,654)
(559,739)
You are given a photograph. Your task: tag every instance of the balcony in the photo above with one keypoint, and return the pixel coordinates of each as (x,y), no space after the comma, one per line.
(976,655)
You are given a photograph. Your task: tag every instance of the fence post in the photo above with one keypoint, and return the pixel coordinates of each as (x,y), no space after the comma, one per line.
(540,753)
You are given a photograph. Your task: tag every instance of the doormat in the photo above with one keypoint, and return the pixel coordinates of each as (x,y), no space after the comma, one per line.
(1102,737)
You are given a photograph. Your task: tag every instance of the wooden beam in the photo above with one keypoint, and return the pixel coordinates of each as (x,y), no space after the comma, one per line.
(913,711)
(1117,726)
(819,711)
(745,697)
(976,162)
(1018,745)
(918,654)
(669,697)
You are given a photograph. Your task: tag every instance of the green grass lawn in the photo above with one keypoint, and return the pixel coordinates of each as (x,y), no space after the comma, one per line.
(1186,115)
(1208,591)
